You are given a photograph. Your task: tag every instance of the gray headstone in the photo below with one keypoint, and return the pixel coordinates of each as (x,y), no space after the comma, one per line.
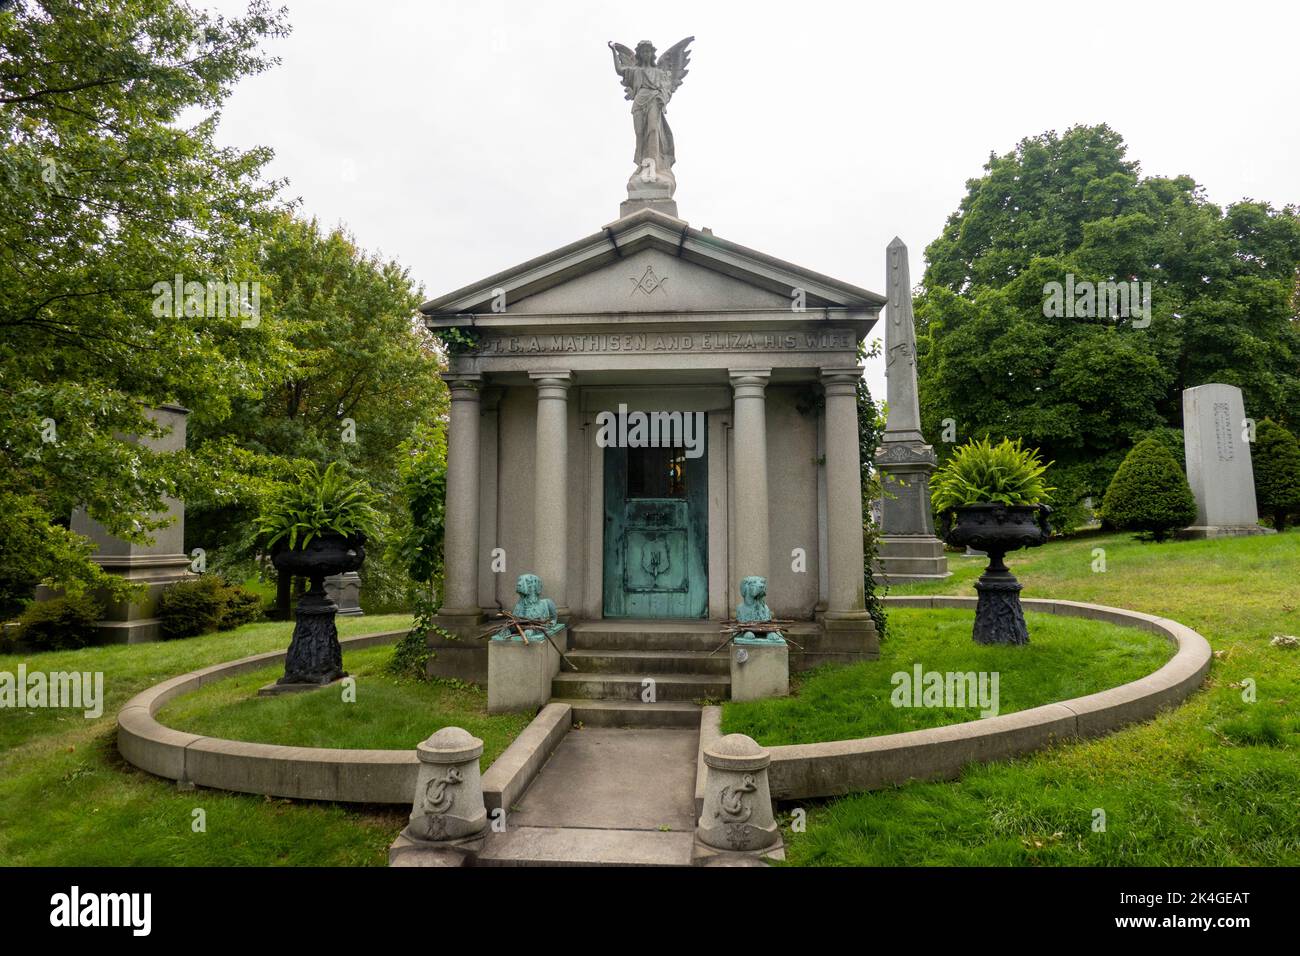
(1218,462)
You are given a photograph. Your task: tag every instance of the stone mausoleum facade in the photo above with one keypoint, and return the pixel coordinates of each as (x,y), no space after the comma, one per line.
(651,315)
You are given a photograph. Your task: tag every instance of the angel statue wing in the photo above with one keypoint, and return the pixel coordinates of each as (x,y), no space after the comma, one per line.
(674,61)
(624,60)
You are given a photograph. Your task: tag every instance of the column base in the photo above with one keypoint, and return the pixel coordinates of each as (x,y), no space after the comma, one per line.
(453,617)
(462,655)
(844,637)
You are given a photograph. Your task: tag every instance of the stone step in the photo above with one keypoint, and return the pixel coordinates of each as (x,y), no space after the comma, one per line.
(633,635)
(617,661)
(633,713)
(629,686)
(645,635)
(568,846)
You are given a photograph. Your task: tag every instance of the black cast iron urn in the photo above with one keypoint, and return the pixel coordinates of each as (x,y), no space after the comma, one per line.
(314,654)
(997,529)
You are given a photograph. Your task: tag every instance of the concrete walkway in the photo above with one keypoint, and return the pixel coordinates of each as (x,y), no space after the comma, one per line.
(607,796)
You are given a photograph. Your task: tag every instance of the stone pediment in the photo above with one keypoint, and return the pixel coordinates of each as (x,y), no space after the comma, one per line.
(650,263)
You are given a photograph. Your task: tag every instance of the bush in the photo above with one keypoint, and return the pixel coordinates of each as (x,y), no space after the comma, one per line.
(1171,438)
(1149,493)
(61,623)
(242,607)
(1276,460)
(205,604)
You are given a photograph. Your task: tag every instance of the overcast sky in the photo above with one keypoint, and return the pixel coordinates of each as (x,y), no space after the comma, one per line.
(465,137)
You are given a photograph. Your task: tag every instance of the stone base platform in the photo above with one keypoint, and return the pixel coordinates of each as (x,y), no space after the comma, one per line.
(1198,532)
(910,557)
(275,689)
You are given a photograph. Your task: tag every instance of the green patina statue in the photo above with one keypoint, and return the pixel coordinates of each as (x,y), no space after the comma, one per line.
(753,609)
(532,607)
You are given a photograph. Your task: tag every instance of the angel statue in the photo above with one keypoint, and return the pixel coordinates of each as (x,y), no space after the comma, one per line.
(650,84)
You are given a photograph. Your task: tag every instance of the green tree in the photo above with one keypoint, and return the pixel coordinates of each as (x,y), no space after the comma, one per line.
(1149,492)
(1082,387)
(362,384)
(1276,460)
(111,183)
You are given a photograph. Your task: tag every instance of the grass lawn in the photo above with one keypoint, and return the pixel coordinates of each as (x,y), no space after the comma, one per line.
(1213,782)
(1066,657)
(390,713)
(68,799)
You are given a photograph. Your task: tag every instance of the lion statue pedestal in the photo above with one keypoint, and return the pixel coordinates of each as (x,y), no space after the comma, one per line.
(522,666)
(760,661)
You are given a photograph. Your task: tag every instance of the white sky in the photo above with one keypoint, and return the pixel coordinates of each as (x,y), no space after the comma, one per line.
(464,137)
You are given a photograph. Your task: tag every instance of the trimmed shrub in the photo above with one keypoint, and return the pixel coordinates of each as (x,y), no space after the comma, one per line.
(205,604)
(1149,493)
(192,607)
(242,607)
(61,623)
(1171,438)
(1276,460)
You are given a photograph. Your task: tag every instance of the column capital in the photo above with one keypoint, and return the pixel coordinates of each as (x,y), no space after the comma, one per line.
(842,380)
(464,386)
(552,383)
(749,382)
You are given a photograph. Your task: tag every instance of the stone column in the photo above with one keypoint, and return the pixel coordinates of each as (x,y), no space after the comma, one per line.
(551,485)
(461,538)
(750,464)
(845,599)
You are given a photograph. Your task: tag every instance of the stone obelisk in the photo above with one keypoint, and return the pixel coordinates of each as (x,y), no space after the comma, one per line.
(909,550)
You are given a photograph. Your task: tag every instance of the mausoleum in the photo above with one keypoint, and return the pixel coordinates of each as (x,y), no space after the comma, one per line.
(648,415)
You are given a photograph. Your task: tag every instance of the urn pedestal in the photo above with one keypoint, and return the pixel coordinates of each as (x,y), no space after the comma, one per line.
(996,529)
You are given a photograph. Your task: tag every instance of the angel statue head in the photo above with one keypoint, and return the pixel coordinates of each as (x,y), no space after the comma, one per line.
(650,83)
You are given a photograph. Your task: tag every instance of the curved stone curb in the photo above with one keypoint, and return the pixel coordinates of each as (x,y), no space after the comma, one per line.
(840,767)
(305,773)
(310,773)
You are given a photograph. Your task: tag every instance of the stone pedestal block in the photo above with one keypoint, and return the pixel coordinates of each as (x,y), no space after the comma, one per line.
(345,591)
(902,558)
(737,815)
(448,805)
(760,670)
(1218,463)
(656,202)
(520,674)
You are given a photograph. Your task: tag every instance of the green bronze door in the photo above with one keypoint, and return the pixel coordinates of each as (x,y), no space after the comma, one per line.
(656,533)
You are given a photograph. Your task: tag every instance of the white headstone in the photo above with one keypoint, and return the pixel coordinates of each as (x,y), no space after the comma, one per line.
(1215,431)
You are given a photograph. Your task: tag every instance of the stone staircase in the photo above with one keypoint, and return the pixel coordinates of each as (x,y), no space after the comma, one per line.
(615,658)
